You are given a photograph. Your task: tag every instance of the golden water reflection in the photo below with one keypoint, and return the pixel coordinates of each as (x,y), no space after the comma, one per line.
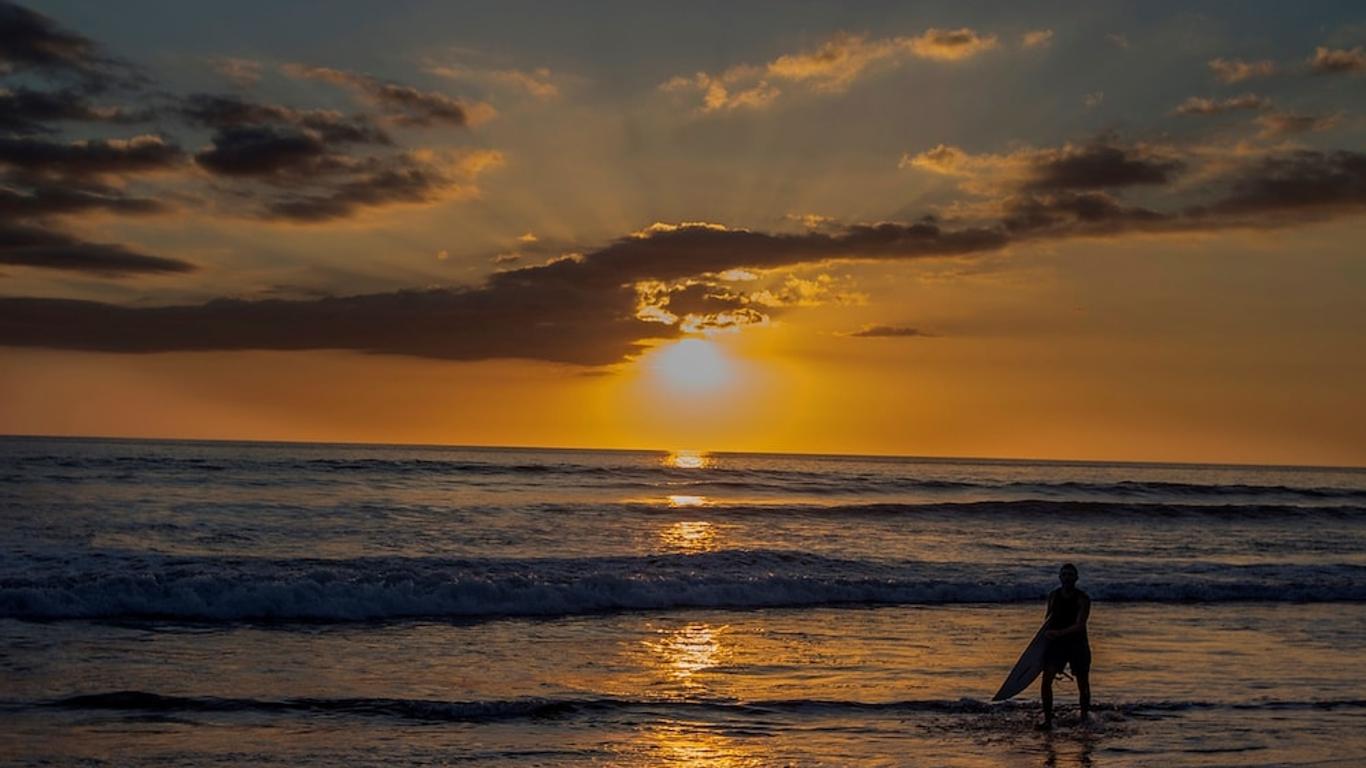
(696,745)
(683,652)
(689,536)
(688,460)
(677,500)
(681,655)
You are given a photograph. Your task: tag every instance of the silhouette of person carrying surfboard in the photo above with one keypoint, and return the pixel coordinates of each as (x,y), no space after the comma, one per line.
(1067,645)
(1060,643)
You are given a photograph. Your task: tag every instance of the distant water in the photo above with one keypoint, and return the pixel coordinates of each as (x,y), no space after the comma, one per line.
(191,603)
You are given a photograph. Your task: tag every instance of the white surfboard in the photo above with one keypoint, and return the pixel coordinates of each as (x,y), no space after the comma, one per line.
(1026,669)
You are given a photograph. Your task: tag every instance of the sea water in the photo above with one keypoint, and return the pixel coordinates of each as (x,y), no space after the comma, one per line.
(194,604)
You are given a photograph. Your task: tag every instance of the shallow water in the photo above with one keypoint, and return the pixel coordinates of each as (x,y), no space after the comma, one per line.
(205,604)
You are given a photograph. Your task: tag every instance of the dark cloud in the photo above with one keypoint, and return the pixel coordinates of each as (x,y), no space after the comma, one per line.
(29,39)
(26,111)
(88,158)
(889,331)
(580,311)
(1336,60)
(403,104)
(412,184)
(1101,166)
(223,112)
(32,41)
(595,309)
(262,151)
(32,246)
(41,200)
(1305,184)
(1076,213)
(41,180)
(303,155)
(406,181)
(445,324)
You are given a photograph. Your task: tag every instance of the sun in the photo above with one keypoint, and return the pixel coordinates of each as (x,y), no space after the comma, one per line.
(692,366)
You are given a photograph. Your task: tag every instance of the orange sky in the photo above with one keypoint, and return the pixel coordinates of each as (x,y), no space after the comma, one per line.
(845,231)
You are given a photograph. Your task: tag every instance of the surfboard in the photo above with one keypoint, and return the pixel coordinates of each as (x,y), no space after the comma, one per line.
(1026,669)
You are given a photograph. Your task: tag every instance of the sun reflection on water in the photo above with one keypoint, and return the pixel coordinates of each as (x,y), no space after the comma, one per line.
(682,652)
(688,460)
(689,536)
(677,500)
(695,745)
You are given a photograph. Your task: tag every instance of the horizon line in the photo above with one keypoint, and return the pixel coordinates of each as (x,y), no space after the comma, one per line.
(583,449)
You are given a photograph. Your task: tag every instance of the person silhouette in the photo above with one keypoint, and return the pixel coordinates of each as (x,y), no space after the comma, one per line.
(1068,610)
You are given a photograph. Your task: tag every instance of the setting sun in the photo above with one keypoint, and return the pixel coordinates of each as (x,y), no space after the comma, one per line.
(692,366)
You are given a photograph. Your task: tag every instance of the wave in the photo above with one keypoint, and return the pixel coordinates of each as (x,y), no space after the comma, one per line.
(1027,508)
(535,708)
(640,474)
(374,589)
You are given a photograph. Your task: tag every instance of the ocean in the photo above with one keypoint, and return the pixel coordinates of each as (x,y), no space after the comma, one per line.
(168,603)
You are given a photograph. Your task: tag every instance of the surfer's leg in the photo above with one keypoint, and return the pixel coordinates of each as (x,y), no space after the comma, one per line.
(1081,670)
(1083,692)
(1046,695)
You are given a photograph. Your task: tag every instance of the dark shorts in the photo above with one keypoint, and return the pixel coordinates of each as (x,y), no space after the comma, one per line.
(1067,651)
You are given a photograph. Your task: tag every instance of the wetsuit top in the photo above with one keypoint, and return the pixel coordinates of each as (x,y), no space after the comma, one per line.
(1065,612)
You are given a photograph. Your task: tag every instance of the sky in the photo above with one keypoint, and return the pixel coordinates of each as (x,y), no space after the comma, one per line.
(1114,231)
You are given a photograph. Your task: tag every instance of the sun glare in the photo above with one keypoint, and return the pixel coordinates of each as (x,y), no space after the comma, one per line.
(692,366)
(687,460)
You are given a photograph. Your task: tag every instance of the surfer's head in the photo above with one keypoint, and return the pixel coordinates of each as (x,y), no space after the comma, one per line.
(1067,574)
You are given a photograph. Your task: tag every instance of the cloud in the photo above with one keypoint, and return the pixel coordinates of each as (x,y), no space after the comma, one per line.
(323,125)
(286,163)
(1097,165)
(44,180)
(1337,60)
(1238,70)
(306,157)
(1093,99)
(28,111)
(266,151)
(1201,106)
(1038,38)
(1280,124)
(407,179)
(92,157)
(1074,190)
(581,311)
(540,83)
(889,331)
(243,72)
(1307,184)
(951,44)
(795,291)
(717,96)
(831,67)
(40,200)
(403,104)
(31,246)
(596,308)
(32,41)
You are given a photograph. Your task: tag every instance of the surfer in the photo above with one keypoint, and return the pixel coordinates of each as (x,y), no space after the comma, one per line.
(1065,629)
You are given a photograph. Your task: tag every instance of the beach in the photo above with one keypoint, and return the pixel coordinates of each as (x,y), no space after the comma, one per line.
(182,603)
